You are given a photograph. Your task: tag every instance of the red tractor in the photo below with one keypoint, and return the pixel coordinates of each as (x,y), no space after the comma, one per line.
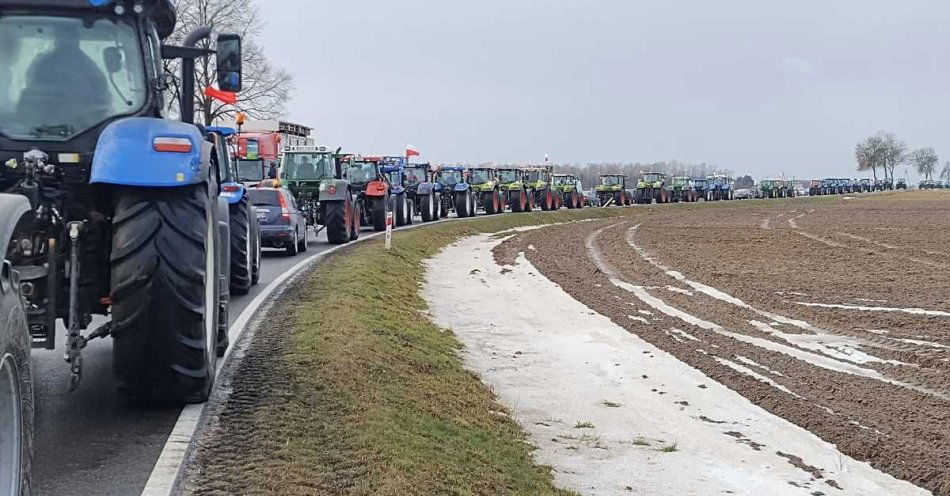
(373,191)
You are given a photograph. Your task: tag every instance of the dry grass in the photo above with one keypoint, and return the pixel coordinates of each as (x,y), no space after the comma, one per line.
(374,399)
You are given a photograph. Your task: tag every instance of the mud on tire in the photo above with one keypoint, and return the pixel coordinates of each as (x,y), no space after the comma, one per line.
(164,312)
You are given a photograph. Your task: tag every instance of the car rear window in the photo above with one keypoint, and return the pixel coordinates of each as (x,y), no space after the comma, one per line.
(264,197)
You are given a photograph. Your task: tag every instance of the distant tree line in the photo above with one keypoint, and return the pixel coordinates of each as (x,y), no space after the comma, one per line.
(884,152)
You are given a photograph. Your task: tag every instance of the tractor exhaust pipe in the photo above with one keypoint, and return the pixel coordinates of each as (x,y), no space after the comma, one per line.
(188,74)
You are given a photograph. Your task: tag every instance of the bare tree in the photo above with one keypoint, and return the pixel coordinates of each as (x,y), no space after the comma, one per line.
(925,161)
(894,151)
(266,88)
(871,153)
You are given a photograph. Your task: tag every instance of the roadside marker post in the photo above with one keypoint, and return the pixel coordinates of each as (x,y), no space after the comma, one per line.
(389,229)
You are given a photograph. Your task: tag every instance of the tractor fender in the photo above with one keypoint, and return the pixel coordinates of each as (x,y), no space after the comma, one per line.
(236,194)
(125,154)
(13,207)
(425,188)
(334,189)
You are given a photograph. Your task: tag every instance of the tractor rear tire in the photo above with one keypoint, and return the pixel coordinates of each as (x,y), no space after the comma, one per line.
(401,208)
(462,203)
(514,202)
(546,200)
(256,247)
(241,247)
(16,391)
(569,200)
(357,212)
(427,207)
(490,202)
(165,291)
(380,209)
(334,215)
(530,207)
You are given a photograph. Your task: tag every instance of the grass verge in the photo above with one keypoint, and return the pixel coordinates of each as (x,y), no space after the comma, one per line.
(359,393)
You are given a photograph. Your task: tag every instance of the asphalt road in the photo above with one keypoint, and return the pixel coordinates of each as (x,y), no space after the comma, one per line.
(91,441)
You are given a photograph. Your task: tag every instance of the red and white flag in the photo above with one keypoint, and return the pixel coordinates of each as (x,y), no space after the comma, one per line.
(412,151)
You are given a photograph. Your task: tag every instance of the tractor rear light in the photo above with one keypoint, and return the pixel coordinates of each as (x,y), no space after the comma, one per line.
(284,211)
(331,189)
(171,145)
(230,188)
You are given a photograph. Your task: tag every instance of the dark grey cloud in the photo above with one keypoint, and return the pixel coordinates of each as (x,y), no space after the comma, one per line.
(757,86)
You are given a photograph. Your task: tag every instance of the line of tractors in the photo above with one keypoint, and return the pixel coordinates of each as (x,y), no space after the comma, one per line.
(838,186)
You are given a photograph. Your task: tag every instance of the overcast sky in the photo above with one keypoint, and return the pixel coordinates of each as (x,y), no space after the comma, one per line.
(761,87)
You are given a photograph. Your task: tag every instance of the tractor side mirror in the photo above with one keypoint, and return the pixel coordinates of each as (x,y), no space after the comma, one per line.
(229,62)
(112,59)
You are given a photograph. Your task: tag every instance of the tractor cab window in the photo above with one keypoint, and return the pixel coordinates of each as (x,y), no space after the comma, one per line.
(361,172)
(61,76)
(559,180)
(481,176)
(610,181)
(653,177)
(450,177)
(508,176)
(250,170)
(416,175)
(308,166)
(532,176)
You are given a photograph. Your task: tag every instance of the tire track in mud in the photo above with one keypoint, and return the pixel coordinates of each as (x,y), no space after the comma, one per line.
(898,425)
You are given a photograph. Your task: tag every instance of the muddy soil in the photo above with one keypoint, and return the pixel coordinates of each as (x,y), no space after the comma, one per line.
(831,313)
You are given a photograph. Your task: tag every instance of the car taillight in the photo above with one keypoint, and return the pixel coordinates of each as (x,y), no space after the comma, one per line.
(284,211)
(171,145)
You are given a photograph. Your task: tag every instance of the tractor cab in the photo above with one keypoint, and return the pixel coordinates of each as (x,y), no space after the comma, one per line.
(611,183)
(482,176)
(449,176)
(394,170)
(563,179)
(361,171)
(654,177)
(417,174)
(510,176)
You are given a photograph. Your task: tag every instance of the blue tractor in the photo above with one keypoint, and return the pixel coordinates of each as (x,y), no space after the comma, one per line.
(110,209)
(424,194)
(394,169)
(457,196)
(245,228)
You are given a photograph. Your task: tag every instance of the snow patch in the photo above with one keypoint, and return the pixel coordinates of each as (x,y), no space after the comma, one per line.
(580,359)
(912,311)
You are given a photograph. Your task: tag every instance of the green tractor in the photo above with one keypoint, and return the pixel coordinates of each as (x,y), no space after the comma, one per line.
(514,190)
(568,188)
(767,188)
(612,190)
(682,190)
(486,189)
(313,174)
(540,182)
(652,186)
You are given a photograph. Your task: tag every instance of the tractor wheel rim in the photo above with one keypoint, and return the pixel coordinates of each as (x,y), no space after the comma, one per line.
(11,426)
